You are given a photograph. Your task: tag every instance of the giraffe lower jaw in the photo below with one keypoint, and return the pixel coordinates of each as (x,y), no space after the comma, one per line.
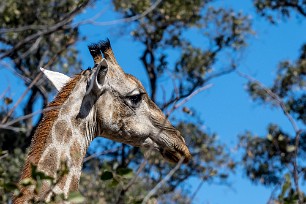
(172,154)
(175,156)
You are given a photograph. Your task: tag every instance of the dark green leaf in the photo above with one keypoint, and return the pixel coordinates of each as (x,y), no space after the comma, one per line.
(106,175)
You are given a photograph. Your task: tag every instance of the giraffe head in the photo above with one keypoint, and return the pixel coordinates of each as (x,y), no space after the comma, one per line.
(122,108)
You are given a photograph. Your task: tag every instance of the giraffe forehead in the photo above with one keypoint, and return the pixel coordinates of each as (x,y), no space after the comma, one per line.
(127,85)
(135,82)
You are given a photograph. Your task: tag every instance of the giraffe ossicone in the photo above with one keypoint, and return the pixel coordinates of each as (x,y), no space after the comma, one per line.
(102,101)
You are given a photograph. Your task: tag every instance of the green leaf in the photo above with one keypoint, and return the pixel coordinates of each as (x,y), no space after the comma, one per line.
(285,186)
(76,197)
(10,186)
(27,182)
(39,175)
(114,183)
(125,172)
(106,175)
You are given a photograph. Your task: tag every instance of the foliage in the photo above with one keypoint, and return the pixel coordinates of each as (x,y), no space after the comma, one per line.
(9,172)
(272,9)
(164,29)
(35,34)
(277,158)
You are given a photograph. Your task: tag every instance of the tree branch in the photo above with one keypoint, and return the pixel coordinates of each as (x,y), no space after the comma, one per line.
(294,125)
(149,64)
(47,31)
(168,176)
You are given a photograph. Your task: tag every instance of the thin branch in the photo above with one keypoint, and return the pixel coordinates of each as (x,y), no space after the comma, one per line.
(291,5)
(21,98)
(23,28)
(294,125)
(123,20)
(197,190)
(36,79)
(32,48)
(11,69)
(159,185)
(48,31)
(195,86)
(275,97)
(4,92)
(101,153)
(187,98)
(29,116)
(139,170)
(15,129)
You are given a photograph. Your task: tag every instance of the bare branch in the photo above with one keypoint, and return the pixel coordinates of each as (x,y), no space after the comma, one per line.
(35,80)
(29,115)
(32,48)
(294,125)
(15,129)
(275,97)
(123,20)
(168,176)
(187,98)
(48,31)
(23,28)
(101,153)
(195,86)
(4,92)
(197,190)
(4,120)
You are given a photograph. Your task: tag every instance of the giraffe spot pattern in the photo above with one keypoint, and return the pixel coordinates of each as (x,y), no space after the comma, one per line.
(63,181)
(68,135)
(75,153)
(62,131)
(74,185)
(48,164)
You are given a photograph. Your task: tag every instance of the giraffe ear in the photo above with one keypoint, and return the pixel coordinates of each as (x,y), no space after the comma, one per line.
(57,79)
(98,77)
(102,69)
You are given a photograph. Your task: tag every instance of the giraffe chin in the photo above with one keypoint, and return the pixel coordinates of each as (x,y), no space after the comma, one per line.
(172,154)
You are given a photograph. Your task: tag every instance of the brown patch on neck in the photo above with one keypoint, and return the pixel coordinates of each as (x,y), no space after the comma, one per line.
(41,136)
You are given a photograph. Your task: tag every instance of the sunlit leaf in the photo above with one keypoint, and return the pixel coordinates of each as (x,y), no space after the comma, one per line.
(76,197)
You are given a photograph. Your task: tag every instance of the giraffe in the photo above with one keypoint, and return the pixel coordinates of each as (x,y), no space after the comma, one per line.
(101,101)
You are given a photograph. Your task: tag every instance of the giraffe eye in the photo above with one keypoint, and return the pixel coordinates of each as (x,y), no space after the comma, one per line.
(135,100)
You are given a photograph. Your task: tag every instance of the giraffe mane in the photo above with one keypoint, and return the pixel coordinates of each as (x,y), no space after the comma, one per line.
(43,130)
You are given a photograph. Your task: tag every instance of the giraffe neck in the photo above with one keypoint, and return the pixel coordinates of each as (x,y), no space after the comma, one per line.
(62,137)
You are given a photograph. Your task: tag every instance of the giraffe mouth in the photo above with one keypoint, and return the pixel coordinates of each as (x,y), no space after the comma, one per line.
(173,153)
(176,155)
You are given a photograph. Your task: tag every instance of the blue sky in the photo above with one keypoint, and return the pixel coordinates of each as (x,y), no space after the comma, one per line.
(225,108)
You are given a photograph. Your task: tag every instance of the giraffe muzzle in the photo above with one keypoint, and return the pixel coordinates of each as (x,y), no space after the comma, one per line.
(176,154)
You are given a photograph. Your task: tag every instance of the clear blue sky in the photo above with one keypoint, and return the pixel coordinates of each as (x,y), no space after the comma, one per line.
(234,112)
